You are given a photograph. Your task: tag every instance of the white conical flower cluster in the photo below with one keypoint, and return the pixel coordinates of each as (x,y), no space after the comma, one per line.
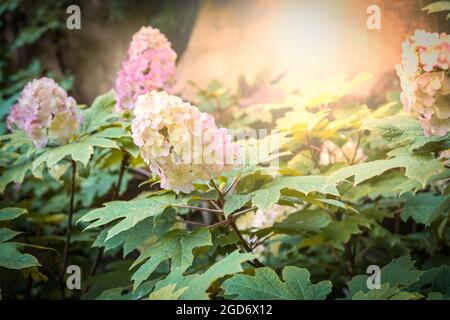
(179,143)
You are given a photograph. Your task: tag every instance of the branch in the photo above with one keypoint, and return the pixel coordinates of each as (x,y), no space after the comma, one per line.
(69,230)
(356,148)
(232,186)
(199,208)
(123,166)
(236,214)
(311,148)
(245,246)
(261,241)
(214,204)
(195,223)
(221,196)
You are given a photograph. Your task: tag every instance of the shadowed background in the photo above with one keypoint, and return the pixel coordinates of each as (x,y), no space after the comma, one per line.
(292,41)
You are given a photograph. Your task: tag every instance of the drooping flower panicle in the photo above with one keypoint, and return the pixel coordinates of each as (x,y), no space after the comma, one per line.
(150,65)
(425,81)
(179,143)
(45,112)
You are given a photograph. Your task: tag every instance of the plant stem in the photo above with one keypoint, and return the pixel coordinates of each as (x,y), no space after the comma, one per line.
(200,209)
(236,214)
(356,148)
(397,222)
(240,236)
(123,166)
(232,186)
(218,224)
(69,230)
(215,205)
(115,193)
(221,196)
(311,148)
(260,242)
(195,223)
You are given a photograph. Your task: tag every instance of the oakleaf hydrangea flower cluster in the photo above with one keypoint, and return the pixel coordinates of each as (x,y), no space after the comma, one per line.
(179,143)
(150,65)
(45,112)
(425,81)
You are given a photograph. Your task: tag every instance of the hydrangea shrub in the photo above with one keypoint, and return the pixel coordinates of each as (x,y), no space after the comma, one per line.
(158,201)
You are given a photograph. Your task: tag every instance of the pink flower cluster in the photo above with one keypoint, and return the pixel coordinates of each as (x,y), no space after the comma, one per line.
(45,112)
(150,65)
(179,143)
(425,81)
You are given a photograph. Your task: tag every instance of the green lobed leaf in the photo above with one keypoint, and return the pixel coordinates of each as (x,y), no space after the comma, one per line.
(11,213)
(131,238)
(425,207)
(176,245)
(234,202)
(418,166)
(15,173)
(304,221)
(131,212)
(340,232)
(386,293)
(265,285)
(167,293)
(81,150)
(7,234)
(197,284)
(437,7)
(399,273)
(12,258)
(99,113)
(270,193)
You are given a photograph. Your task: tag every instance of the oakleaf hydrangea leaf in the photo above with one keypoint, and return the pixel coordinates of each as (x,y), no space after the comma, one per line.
(11,213)
(99,113)
(131,212)
(12,258)
(234,202)
(271,192)
(425,207)
(265,285)
(15,173)
(197,284)
(176,245)
(399,273)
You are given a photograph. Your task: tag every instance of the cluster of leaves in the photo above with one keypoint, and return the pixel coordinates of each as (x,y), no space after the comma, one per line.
(135,241)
